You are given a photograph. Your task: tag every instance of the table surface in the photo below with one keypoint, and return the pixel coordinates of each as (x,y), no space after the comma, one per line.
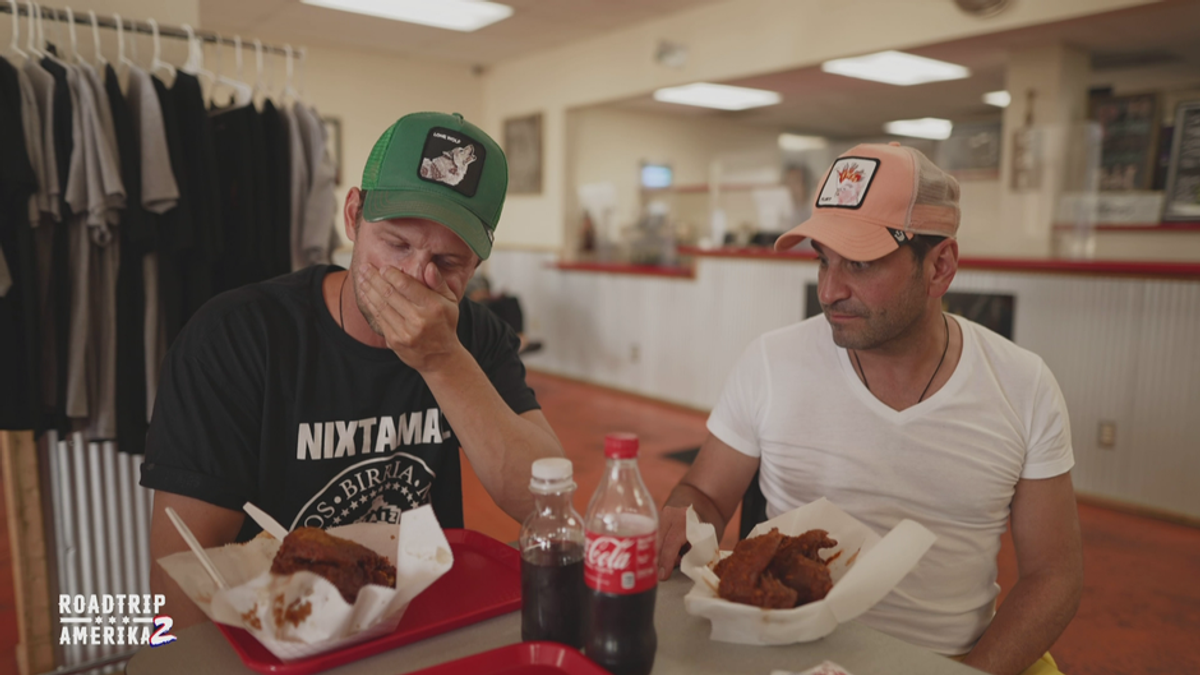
(683,647)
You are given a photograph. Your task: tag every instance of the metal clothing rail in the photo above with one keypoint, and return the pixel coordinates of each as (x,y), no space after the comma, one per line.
(102,21)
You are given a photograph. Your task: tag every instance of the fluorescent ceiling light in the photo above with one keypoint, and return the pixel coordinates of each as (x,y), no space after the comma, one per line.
(1000,99)
(720,96)
(895,67)
(460,15)
(799,143)
(926,127)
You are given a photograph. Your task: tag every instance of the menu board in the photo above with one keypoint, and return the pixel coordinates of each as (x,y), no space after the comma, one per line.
(1183,177)
(1129,127)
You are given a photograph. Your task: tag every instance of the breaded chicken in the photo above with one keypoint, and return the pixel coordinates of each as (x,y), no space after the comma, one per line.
(347,565)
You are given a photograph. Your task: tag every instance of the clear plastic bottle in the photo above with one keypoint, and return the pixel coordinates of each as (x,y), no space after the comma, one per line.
(621,565)
(552,546)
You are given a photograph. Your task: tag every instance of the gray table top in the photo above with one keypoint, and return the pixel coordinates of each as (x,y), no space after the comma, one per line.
(683,647)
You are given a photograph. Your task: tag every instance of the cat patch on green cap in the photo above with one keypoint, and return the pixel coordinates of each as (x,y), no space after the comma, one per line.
(442,168)
(454,159)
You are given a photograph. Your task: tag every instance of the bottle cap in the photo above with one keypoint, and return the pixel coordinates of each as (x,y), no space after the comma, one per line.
(552,474)
(621,446)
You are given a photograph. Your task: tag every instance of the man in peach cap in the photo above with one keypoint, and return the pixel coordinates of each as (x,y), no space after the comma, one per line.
(893,409)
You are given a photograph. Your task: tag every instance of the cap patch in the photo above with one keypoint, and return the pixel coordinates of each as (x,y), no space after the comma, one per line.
(847,183)
(453,159)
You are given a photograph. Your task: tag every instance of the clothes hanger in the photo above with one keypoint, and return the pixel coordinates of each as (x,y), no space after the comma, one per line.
(122,60)
(100,60)
(258,61)
(242,93)
(288,90)
(31,39)
(157,63)
(195,61)
(15,46)
(300,73)
(74,42)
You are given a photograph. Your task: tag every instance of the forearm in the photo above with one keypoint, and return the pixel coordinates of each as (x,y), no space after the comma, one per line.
(685,495)
(500,444)
(1034,614)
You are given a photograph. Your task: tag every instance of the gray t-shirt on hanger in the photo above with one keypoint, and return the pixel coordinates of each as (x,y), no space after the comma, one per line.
(160,194)
(320,206)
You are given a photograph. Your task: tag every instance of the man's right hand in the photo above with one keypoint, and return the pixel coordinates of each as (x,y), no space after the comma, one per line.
(672,535)
(713,487)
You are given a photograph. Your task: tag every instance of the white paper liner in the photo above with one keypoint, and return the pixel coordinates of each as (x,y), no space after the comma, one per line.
(864,569)
(417,546)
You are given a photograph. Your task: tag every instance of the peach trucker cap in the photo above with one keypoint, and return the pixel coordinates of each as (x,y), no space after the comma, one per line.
(876,197)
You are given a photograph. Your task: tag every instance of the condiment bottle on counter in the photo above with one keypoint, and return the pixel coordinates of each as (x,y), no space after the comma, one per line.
(552,544)
(621,565)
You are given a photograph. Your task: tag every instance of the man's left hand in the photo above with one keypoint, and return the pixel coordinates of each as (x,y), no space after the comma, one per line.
(418,317)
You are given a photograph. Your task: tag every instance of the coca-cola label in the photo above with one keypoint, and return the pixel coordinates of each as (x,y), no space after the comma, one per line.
(621,565)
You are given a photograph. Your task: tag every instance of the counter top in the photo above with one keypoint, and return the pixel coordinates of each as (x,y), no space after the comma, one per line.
(1089,267)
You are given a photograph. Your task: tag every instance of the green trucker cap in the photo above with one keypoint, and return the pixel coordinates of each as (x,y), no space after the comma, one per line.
(442,168)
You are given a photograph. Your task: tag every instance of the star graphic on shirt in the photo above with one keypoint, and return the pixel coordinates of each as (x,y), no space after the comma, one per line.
(404,491)
(345,512)
(337,520)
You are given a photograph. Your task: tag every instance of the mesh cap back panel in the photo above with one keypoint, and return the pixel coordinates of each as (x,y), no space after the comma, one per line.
(370,178)
(935,206)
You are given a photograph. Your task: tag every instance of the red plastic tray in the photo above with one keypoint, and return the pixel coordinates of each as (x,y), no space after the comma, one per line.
(484,582)
(526,658)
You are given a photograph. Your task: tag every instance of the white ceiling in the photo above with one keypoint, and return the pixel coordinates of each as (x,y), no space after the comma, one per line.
(819,103)
(535,25)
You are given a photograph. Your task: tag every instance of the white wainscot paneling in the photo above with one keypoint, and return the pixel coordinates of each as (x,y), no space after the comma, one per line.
(1122,349)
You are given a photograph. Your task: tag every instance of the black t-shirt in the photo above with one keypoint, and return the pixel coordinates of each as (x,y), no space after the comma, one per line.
(264,398)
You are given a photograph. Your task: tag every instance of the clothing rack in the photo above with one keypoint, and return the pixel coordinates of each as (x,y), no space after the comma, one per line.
(102,21)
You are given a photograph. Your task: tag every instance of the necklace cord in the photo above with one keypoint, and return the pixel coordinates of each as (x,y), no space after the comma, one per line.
(341,296)
(946,348)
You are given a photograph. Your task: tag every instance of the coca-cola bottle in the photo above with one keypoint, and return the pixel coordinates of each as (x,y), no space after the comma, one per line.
(620,565)
(552,542)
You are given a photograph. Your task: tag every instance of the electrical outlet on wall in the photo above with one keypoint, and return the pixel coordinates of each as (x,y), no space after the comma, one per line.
(1106,437)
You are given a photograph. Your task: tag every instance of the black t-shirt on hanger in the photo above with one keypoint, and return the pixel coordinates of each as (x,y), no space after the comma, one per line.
(279,189)
(137,238)
(264,398)
(20,391)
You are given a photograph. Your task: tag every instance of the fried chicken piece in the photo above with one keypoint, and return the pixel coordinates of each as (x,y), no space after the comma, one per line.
(808,544)
(741,571)
(347,565)
(772,594)
(808,579)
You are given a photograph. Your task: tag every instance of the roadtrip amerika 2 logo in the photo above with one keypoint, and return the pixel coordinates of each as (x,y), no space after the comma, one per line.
(114,620)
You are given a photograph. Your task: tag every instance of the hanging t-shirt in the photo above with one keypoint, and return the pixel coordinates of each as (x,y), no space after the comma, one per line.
(18,307)
(950,462)
(136,237)
(264,398)
(237,184)
(279,172)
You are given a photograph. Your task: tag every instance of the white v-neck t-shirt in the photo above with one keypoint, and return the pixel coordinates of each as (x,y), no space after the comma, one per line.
(951,462)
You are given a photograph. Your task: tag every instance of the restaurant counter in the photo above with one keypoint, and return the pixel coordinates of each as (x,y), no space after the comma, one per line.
(683,648)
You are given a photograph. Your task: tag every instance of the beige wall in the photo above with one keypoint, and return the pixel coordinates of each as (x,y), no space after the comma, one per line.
(608,145)
(731,39)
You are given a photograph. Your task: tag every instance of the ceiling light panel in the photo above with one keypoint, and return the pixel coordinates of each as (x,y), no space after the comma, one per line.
(459,15)
(897,68)
(1000,99)
(926,127)
(719,96)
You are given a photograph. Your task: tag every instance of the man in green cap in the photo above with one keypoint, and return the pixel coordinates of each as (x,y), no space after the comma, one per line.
(329,396)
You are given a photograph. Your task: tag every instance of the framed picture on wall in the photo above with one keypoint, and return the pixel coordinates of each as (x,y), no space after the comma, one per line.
(1182,196)
(333,136)
(1129,133)
(523,147)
